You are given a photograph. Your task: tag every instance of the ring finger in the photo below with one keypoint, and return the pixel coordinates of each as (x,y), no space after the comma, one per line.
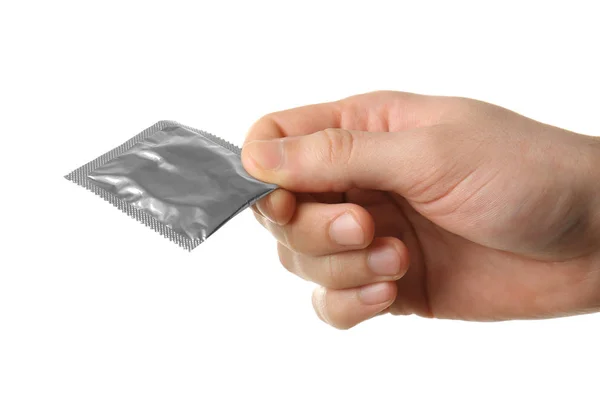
(386,259)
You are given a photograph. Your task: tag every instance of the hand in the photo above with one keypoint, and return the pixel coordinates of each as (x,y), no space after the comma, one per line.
(437,206)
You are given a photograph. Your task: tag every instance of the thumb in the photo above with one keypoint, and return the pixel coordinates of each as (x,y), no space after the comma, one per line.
(332,160)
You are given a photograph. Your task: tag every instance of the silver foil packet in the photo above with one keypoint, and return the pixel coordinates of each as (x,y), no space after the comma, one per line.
(182,182)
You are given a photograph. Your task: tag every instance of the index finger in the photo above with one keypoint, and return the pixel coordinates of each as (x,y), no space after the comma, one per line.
(379,111)
(281,205)
(296,121)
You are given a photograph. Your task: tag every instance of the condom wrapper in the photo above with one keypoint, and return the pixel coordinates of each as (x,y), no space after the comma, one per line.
(182,182)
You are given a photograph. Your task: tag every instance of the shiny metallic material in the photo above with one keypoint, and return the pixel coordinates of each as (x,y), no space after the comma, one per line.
(182,182)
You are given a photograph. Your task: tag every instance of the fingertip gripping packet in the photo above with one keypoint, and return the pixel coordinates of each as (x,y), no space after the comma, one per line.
(182,182)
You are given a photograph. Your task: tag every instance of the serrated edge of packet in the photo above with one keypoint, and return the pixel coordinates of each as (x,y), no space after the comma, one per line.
(79,177)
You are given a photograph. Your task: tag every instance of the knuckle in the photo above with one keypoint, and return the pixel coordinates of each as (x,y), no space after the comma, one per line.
(333,271)
(339,146)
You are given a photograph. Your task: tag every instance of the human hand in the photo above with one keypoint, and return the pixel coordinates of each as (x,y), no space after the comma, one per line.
(437,206)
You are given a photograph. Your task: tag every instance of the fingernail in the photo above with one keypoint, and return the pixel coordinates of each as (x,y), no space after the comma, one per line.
(345,230)
(384,261)
(267,155)
(375,294)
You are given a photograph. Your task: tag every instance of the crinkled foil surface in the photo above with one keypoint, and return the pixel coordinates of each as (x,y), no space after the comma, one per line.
(187,180)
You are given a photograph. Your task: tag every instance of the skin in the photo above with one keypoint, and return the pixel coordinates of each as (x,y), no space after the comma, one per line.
(467,210)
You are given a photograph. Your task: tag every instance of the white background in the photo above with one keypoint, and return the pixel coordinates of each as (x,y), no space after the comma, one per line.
(99,312)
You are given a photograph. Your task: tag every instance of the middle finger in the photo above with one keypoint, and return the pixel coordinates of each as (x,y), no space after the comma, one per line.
(320,229)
